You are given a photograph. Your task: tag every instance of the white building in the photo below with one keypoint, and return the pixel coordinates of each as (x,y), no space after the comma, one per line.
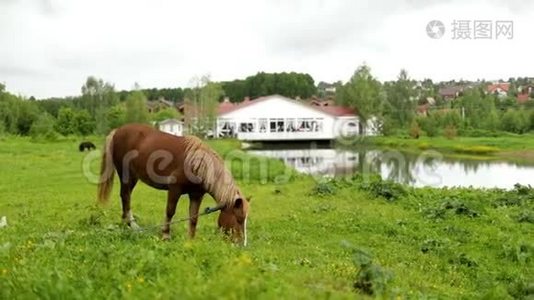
(329,162)
(172,126)
(278,118)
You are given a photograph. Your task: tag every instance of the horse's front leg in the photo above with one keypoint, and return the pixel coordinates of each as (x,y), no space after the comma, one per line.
(195,199)
(173,196)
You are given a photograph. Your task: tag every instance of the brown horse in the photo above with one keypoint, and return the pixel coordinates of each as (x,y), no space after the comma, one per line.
(180,165)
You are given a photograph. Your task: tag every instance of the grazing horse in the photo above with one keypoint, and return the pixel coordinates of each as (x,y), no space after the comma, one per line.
(86,145)
(180,165)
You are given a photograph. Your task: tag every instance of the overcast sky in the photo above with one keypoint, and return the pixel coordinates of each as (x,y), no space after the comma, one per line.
(49,47)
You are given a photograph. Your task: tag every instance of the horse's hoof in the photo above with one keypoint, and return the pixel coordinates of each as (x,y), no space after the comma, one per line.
(134,226)
(166,237)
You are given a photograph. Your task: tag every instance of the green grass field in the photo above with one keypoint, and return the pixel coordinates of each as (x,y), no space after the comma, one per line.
(512,146)
(306,240)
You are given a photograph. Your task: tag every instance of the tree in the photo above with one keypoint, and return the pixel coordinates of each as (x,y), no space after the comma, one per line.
(429,124)
(164,114)
(516,121)
(116,116)
(400,96)
(491,116)
(83,123)
(2,128)
(43,128)
(201,105)
(97,94)
(235,90)
(9,111)
(97,97)
(65,123)
(27,114)
(262,84)
(53,105)
(362,92)
(136,110)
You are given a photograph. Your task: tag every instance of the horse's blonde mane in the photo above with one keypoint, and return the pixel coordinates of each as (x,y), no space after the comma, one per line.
(209,168)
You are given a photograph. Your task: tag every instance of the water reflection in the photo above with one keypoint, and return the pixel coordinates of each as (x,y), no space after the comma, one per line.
(429,168)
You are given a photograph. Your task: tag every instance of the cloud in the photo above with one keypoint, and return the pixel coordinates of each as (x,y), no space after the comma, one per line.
(49,47)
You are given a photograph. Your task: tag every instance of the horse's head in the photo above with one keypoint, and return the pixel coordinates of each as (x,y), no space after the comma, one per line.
(233,220)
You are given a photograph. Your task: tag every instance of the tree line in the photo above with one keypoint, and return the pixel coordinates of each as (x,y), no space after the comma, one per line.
(100,107)
(291,85)
(96,111)
(402,107)
(393,104)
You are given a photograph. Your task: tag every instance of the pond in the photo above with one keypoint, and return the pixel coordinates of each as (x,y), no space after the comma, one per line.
(428,168)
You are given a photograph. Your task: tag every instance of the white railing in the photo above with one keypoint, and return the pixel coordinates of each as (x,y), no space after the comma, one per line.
(283,136)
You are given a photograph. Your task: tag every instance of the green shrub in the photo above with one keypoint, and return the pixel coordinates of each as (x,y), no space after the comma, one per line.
(450,132)
(525,217)
(518,196)
(377,187)
(429,125)
(324,189)
(454,205)
(43,128)
(516,121)
(371,278)
(415,130)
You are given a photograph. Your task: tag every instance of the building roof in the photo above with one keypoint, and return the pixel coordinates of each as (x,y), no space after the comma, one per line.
(322,102)
(225,106)
(338,111)
(502,86)
(161,102)
(450,91)
(333,110)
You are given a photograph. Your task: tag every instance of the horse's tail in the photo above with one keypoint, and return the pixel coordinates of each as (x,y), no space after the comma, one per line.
(107,173)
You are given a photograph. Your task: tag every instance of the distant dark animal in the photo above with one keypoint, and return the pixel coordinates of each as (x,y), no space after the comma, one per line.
(180,165)
(86,145)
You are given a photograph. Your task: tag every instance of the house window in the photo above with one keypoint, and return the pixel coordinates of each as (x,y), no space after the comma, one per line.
(263,125)
(309,125)
(304,124)
(226,128)
(291,125)
(276,125)
(246,127)
(317,125)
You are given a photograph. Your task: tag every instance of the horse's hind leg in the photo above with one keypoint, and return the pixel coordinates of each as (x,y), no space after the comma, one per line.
(173,196)
(126,191)
(194,204)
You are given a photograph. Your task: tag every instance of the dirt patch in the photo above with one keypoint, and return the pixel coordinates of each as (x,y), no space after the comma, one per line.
(526,155)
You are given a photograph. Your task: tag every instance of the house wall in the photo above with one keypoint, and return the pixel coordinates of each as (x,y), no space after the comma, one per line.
(315,161)
(278,108)
(172,128)
(346,126)
(323,126)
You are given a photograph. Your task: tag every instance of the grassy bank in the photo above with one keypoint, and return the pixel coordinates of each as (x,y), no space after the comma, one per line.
(520,146)
(341,240)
